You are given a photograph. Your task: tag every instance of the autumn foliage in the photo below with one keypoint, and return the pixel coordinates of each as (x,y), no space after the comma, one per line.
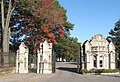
(50,18)
(46,30)
(61,32)
(41,20)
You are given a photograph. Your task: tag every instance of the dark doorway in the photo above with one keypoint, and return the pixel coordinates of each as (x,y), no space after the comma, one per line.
(95,62)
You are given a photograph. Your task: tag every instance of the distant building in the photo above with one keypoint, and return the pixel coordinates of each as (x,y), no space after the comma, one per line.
(98,53)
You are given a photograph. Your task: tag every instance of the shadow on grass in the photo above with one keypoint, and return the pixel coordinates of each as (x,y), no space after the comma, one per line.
(74,70)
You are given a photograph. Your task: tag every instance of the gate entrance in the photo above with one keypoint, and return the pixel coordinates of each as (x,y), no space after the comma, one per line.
(44,58)
(43,62)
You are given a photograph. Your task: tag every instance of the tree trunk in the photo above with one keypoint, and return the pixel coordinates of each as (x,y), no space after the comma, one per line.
(6,31)
(5,60)
(5,48)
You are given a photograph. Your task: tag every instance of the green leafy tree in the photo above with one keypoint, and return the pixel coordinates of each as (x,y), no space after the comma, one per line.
(115,37)
(32,21)
(68,48)
(38,20)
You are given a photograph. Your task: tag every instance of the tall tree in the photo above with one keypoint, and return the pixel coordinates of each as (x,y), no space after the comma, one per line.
(115,37)
(6,12)
(38,20)
(32,21)
(68,48)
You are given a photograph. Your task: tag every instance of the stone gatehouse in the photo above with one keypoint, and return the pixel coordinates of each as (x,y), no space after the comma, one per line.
(98,53)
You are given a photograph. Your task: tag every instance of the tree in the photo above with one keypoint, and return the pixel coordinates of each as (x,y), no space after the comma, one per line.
(32,21)
(115,37)
(6,6)
(68,48)
(38,20)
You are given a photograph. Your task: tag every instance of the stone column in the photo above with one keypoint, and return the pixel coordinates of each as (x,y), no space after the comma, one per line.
(97,61)
(112,61)
(17,63)
(106,58)
(89,64)
(38,62)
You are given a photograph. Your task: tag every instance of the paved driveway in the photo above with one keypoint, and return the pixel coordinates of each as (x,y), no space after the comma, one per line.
(66,72)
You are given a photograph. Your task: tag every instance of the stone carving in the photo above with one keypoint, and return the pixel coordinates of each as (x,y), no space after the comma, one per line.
(44,62)
(98,53)
(22,59)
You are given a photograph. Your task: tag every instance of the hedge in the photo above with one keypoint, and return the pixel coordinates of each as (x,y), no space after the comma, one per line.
(99,71)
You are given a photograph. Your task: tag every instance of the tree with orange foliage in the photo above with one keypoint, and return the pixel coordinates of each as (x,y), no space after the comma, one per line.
(40,20)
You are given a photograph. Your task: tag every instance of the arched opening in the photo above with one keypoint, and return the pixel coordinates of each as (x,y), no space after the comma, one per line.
(95,61)
(101,62)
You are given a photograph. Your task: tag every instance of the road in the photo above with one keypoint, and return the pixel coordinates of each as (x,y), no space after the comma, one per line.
(66,72)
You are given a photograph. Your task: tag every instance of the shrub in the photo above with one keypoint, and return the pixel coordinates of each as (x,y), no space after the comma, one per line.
(99,71)
(84,71)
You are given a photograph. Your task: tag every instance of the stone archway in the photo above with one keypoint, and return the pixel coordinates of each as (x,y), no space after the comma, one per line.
(95,61)
(101,61)
(44,59)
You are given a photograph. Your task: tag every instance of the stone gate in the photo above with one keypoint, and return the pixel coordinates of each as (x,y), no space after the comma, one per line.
(44,59)
(22,59)
(98,53)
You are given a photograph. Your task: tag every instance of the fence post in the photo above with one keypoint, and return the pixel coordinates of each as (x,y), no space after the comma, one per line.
(79,60)
(78,63)
(53,62)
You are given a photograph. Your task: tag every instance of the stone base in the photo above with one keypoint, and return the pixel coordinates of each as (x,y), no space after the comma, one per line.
(5,60)
(21,71)
(47,72)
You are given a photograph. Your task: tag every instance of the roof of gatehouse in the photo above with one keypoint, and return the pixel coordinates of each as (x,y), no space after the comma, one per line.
(97,37)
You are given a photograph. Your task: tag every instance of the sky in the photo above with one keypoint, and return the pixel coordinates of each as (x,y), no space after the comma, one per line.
(91,17)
